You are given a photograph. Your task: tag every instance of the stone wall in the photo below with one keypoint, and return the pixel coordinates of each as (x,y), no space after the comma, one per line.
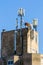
(35,59)
(7,43)
(19,45)
(28,59)
(25,59)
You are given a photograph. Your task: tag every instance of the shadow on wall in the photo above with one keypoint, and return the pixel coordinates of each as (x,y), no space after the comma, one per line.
(19,62)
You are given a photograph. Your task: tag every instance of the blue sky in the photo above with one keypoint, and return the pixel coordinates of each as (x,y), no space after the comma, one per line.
(33,9)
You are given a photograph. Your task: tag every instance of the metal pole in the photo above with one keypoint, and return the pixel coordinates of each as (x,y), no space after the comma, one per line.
(15,35)
(21,13)
(21,35)
(15,43)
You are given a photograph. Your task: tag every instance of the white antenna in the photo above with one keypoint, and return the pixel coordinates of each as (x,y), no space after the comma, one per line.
(35,23)
(21,12)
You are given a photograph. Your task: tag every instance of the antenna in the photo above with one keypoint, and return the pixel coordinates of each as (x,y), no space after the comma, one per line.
(35,23)
(16,23)
(21,14)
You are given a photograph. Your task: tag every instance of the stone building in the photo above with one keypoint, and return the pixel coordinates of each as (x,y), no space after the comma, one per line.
(13,52)
(41,59)
(30,54)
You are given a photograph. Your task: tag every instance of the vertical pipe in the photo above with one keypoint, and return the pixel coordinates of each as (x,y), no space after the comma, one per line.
(21,35)
(15,42)
(15,35)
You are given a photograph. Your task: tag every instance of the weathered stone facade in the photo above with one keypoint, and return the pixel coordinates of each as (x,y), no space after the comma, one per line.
(8,43)
(27,58)
(35,59)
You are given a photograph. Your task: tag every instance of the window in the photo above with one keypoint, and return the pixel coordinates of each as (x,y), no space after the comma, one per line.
(10,62)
